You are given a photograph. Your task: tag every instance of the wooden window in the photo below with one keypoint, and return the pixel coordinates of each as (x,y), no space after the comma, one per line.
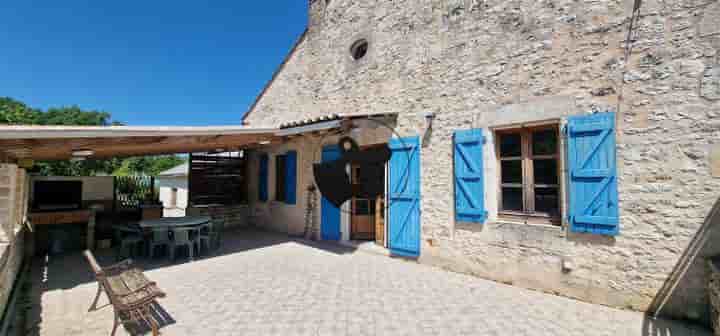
(280,178)
(528,159)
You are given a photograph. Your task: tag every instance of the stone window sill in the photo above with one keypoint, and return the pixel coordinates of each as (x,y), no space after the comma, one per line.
(541,226)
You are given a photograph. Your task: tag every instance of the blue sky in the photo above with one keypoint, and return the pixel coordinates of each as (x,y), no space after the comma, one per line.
(151,62)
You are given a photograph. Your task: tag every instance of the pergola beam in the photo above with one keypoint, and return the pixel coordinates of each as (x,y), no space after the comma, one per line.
(107,142)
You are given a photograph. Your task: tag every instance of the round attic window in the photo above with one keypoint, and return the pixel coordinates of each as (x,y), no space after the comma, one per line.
(359,49)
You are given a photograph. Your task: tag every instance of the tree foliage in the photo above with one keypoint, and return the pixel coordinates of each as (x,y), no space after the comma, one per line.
(148,165)
(14,112)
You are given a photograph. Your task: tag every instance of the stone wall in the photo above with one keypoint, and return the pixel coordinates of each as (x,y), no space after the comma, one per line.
(11,258)
(714,293)
(276,215)
(13,206)
(235,216)
(485,63)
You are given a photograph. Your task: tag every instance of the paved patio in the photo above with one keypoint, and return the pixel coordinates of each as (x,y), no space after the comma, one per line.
(266,284)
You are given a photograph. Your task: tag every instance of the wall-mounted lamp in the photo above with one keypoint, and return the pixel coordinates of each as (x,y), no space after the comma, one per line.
(82,153)
(429,117)
(265,142)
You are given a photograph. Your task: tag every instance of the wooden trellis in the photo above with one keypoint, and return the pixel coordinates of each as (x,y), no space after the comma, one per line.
(217,179)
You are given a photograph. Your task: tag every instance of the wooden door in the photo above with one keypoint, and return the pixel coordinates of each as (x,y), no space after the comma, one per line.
(362,219)
(380,221)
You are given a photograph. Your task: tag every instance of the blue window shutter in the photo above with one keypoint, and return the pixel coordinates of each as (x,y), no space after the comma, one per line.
(290,176)
(469,183)
(263,183)
(593,195)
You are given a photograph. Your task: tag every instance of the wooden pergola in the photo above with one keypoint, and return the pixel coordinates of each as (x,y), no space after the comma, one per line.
(67,142)
(31,142)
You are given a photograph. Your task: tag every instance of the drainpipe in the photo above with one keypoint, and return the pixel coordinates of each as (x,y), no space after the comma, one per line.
(565,178)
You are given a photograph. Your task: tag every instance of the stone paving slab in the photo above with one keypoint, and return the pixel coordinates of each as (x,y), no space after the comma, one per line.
(265,284)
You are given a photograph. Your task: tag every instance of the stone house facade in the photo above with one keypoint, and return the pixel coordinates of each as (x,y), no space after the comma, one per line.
(508,67)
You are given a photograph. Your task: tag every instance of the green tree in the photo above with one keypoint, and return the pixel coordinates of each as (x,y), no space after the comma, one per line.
(14,112)
(73,115)
(148,165)
(77,168)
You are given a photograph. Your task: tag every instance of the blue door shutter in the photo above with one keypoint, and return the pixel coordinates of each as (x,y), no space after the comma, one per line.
(404,197)
(592,174)
(469,184)
(329,213)
(290,176)
(263,177)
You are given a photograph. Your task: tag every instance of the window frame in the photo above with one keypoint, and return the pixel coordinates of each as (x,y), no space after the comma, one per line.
(529,215)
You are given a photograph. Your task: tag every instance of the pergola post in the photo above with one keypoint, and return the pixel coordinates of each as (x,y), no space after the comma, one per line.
(8,206)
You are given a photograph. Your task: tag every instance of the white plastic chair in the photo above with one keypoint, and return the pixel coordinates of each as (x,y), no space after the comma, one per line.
(184,237)
(160,237)
(210,233)
(128,239)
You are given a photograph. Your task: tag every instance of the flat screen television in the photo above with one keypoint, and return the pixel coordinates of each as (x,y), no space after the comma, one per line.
(57,195)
